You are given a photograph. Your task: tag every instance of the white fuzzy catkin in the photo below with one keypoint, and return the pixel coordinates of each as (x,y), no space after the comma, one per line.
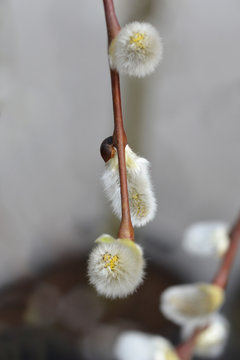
(206,239)
(141,198)
(211,341)
(136,50)
(132,345)
(193,303)
(116,267)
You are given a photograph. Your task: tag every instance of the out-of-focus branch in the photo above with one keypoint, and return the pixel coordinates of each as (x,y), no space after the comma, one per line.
(185,350)
(224,270)
(119,135)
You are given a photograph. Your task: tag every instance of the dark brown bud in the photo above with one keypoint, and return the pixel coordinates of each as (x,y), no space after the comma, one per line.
(107,149)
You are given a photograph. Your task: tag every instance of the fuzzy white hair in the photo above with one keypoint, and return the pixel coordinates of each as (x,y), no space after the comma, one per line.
(211,341)
(116,267)
(193,303)
(136,50)
(137,345)
(206,239)
(141,198)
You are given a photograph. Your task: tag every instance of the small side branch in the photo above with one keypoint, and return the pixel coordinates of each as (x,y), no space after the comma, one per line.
(185,350)
(223,273)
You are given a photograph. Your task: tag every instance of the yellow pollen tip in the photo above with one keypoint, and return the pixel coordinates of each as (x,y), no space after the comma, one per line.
(139,204)
(171,355)
(137,39)
(110,261)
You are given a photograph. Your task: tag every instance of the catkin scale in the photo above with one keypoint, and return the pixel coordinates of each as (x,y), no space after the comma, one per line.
(141,197)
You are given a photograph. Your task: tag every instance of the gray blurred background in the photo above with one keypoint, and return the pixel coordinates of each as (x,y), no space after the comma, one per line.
(55,110)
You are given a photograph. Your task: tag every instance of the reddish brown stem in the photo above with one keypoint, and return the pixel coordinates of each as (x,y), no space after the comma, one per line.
(120,141)
(223,273)
(119,135)
(185,350)
(112,23)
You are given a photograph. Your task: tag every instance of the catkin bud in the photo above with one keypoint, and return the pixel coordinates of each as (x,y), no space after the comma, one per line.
(141,198)
(131,345)
(116,267)
(193,303)
(136,50)
(206,239)
(210,342)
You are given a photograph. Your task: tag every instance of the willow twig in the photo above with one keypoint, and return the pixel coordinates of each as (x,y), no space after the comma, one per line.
(119,135)
(185,349)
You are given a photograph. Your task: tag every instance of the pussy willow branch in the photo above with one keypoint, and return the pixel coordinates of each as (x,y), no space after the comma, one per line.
(119,135)
(185,349)
(223,273)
